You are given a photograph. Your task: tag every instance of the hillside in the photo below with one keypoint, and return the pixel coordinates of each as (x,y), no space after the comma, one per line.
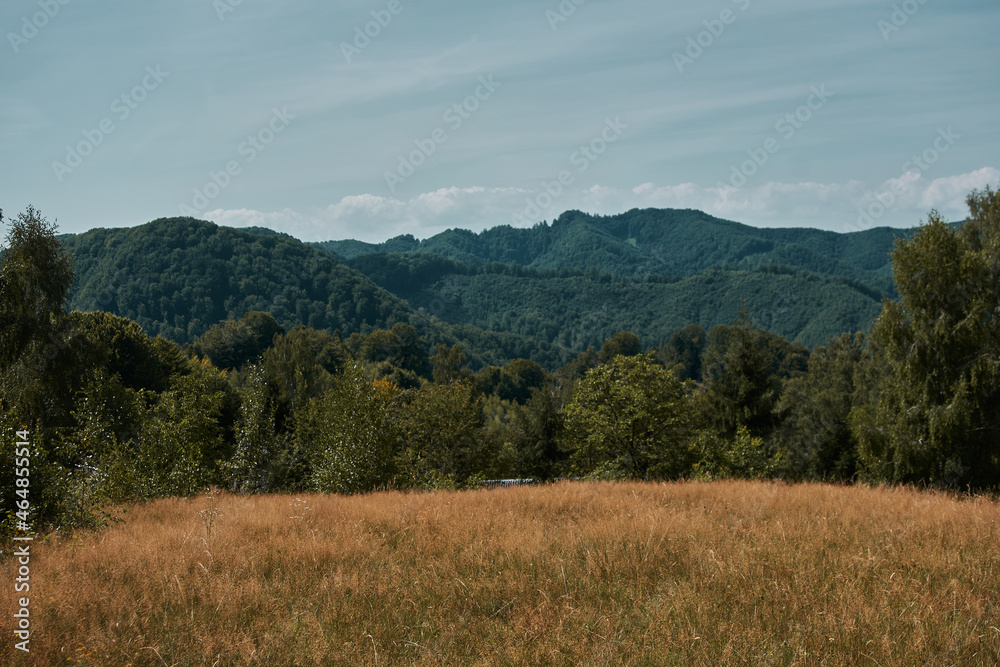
(666,242)
(576,309)
(545,293)
(177,277)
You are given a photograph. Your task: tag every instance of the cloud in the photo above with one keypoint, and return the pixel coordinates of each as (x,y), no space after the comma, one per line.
(835,206)
(374,218)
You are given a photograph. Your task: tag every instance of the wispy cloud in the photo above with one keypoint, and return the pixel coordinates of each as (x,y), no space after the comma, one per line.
(833,206)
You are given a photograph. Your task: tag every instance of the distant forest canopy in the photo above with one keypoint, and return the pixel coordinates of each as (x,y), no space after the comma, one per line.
(113,414)
(665,242)
(544,294)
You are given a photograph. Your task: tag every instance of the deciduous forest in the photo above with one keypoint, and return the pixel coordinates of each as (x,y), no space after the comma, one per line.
(161,360)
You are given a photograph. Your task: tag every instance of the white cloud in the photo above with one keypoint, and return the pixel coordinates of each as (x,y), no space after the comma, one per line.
(834,206)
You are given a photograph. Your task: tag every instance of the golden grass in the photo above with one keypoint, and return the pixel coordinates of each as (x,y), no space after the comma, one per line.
(727,573)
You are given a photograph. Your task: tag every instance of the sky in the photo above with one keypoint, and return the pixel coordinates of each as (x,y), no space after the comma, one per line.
(369,119)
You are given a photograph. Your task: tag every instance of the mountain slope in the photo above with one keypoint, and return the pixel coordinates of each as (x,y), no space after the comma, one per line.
(177,277)
(666,242)
(575,309)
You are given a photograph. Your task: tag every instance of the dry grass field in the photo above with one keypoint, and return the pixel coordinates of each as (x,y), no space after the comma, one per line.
(727,573)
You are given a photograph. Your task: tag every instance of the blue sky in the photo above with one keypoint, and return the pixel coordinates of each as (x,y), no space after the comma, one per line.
(832,114)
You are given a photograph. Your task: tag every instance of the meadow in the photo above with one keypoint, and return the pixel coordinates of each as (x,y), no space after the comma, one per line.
(688,573)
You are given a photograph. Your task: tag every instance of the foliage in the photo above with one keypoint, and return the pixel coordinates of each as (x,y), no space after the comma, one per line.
(448,364)
(255,453)
(817,432)
(624,343)
(741,380)
(35,278)
(300,364)
(440,437)
(537,432)
(683,352)
(351,433)
(740,456)
(935,384)
(629,418)
(514,382)
(231,344)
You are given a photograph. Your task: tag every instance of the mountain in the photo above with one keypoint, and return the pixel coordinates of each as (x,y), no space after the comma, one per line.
(665,242)
(575,309)
(581,279)
(176,277)
(544,293)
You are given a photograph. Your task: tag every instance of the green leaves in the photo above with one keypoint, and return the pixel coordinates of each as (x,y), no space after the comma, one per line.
(934,413)
(629,418)
(350,433)
(35,278)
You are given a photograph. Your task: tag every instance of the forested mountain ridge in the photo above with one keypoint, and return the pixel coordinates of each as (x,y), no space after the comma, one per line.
(576,309)
(176,277)
(666,242)
(545,293)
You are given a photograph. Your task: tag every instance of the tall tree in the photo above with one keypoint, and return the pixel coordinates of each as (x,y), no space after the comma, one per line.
(623,343)
(35,279)
(683,352)
(739,372)
(932,415)
(629,418)
(816,433)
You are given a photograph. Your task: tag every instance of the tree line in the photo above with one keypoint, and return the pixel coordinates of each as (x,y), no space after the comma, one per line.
(117,416)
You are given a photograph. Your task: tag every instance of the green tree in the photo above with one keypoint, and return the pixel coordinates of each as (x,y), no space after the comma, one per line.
(683,352)
(931,414)
(441,439)
(351,431)
(401,346)
(537,428)
(35,278)
(120,348)
(816,433)
(251,469)
(448,364)
(301,363)
(739,373)
(623,343)
(740,455)
(629,418)
(232,343)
